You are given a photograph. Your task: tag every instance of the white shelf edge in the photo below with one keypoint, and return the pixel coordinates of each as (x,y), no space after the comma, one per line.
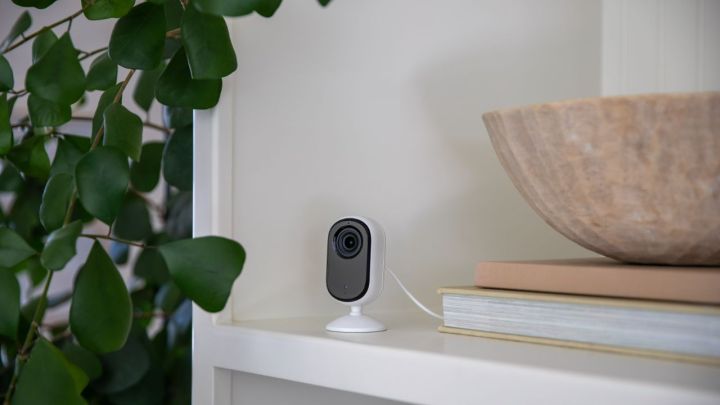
(416,375)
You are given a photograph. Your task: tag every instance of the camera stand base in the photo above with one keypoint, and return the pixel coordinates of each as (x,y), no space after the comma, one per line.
(356,322)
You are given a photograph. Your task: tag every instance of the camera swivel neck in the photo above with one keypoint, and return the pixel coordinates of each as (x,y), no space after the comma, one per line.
(355,322)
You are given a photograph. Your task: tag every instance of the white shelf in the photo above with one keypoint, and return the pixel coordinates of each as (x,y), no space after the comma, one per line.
(412,362)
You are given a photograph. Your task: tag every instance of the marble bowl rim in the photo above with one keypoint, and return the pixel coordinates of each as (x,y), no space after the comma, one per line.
(603,99)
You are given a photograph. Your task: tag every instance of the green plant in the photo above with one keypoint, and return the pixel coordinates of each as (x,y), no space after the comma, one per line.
(178,51)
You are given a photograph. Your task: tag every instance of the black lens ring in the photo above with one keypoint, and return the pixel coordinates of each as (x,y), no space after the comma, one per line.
(345,235)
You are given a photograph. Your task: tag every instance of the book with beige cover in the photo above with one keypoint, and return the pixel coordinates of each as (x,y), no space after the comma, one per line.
(680,331)
(604,277)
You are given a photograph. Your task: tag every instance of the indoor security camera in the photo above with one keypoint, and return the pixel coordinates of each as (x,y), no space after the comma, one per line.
(355,268)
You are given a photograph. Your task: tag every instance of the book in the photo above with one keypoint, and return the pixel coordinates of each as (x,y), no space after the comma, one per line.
(689,332)
(604,277)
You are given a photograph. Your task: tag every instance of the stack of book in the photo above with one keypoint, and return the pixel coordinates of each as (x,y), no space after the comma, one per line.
(663,311)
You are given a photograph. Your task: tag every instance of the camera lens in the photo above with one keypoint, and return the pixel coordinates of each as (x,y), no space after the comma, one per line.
(348,242)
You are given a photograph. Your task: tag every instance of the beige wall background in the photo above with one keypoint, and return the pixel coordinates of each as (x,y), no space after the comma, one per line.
(374,108)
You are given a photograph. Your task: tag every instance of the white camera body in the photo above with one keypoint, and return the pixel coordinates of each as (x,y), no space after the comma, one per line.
(355,270)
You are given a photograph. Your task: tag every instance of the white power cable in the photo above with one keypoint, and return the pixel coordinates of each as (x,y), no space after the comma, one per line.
(418,303)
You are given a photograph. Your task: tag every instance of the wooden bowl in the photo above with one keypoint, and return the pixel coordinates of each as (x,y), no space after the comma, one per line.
(634,178)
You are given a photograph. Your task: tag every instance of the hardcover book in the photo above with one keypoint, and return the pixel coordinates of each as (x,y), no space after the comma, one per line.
(669,330)
(604,277)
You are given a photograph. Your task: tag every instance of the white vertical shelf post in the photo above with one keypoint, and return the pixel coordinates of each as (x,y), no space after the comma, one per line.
(212,215)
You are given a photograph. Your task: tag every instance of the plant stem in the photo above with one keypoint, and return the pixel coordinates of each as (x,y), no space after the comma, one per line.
(157,127)
(38,32)
(71,207)
(37,318)
(174,33)
(96,142)
(124,241)
(86,55)
(118,97)
(18,93)
(23,353)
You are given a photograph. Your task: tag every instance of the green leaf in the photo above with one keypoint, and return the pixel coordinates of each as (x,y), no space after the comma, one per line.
(144,92)
(44,113)
(9,304)
(19,27)
(35,270)
(143,302)
(168,297)
(62,382)
(173,14)
(55,201)
(178,224)
(32,158)
(180,374)
(102,74)
(177,117)
(13,248)
(102,178)
(178,158)
(172,45)
(27,312)
(148,391)
(176,88)
(145,173)
(133,222)
(34,3)
(69,151)
(102,9)
(60,246)
(123,130)
(267,8)
(81,214)
(43,43)
(138,39)
(81,143)
(6,135)
(324,2)
(23,215)
(228,8)
(10,178)
(105,100)
(11,104)
(60,60)
(101,310)
(6,75)
(205,268)
(151,267)
(207,42)
(84,359)
(124,368)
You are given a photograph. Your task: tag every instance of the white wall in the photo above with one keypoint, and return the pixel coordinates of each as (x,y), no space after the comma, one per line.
(252,389)
(661,46)
(374,108)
